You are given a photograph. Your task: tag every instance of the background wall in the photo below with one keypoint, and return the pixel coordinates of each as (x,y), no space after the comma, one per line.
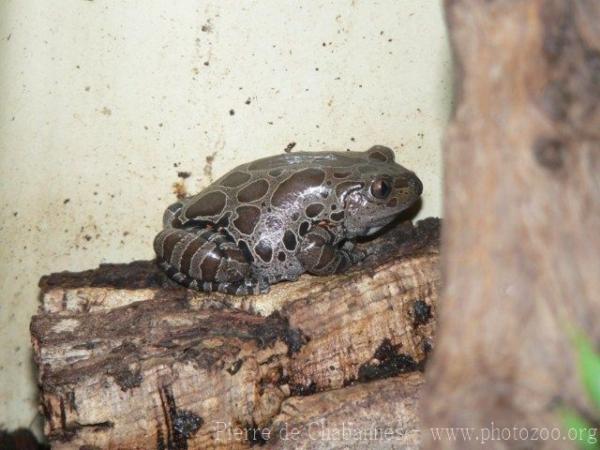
(105,101)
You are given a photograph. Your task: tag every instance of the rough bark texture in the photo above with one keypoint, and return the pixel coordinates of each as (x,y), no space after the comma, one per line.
(521,238)
(129,360)
(377,415)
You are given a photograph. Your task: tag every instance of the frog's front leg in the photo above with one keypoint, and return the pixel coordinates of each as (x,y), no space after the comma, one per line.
(320,255)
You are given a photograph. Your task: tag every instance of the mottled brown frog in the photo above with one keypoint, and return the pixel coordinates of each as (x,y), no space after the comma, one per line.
(278,217)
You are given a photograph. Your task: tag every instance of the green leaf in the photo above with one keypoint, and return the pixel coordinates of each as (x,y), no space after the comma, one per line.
(589,367)
(578,429)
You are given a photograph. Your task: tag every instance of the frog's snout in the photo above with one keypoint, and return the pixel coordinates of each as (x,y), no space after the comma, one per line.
(409,185)
(417,185)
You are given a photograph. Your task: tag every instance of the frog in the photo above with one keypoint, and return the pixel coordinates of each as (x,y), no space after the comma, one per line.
(276,218)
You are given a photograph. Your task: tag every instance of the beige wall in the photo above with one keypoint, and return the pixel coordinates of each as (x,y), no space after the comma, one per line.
(103,101)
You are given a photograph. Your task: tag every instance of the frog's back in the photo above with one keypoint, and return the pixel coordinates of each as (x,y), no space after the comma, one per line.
(255,191)
(291,162)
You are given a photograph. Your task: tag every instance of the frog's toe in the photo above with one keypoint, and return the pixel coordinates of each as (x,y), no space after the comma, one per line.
(252,286)
(264,289)
(262,286)
(358,255)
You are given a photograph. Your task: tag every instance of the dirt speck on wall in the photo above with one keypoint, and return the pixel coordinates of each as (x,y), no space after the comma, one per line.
(179,190)
(100,104)
(208,168)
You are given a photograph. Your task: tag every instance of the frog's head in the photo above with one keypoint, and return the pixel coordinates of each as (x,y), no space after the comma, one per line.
(381,191)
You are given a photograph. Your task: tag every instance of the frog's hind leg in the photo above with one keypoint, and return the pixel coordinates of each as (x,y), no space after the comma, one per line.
(206,260)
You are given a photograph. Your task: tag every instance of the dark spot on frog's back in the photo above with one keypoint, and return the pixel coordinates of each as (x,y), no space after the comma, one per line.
(235,179)
(254,191)
(337,216)
(247,219)
(314,209)
(210,204)
(289,240)
(341,174)
(298,182)
(303,229)
(264,250)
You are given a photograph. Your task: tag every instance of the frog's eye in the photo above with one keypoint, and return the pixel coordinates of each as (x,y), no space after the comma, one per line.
(381,189)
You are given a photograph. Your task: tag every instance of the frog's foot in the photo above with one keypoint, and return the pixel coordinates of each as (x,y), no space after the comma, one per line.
(320,255)
(244,287)
(347,258)
(352,253)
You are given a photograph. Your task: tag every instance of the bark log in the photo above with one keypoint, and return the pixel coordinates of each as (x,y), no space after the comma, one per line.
(521,238)
(377,415)
(129,360)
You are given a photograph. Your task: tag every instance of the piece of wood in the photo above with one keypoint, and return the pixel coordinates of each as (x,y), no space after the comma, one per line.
(128,359)
(521,241)
(380,415)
